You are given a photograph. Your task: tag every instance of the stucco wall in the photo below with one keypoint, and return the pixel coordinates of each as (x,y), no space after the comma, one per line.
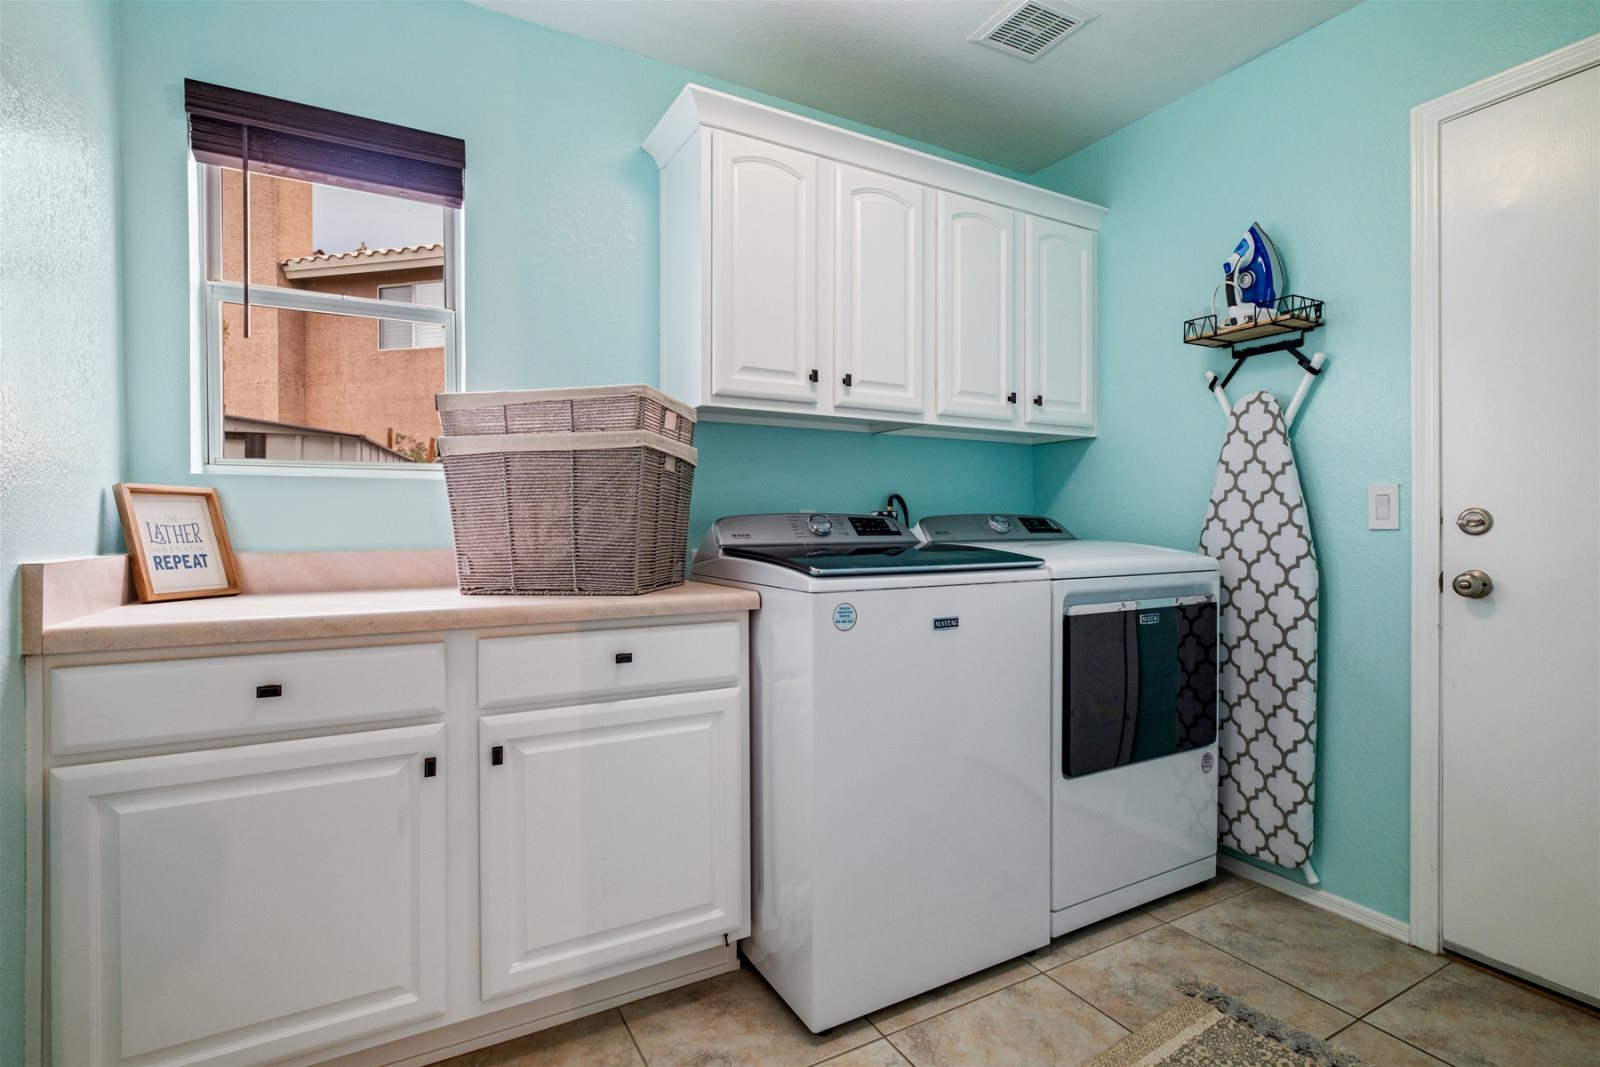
(61,426)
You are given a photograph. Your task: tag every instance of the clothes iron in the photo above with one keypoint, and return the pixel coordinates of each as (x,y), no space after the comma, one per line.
(1253,277)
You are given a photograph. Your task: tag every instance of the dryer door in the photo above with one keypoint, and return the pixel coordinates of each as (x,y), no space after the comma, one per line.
(1139,682)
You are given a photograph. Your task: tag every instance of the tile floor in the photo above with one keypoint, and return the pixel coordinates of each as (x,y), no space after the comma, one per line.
(1390,1004)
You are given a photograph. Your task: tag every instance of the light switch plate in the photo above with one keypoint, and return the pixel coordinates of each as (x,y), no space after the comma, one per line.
(1383,507)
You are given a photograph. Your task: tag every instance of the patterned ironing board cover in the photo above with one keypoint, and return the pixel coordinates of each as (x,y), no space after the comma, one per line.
(1257,529)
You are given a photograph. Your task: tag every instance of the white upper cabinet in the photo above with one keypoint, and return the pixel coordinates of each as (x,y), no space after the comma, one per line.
(880,310)
(1058,324)
(977,296)
(811,276)
(763,271)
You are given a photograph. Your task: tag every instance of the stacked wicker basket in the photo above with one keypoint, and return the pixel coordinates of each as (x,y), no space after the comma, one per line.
(567,491)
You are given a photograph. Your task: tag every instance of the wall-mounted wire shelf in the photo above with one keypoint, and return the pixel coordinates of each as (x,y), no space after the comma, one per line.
(1291,314)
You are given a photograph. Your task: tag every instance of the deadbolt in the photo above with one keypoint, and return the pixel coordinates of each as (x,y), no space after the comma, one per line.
(1474,584)
(1475,521)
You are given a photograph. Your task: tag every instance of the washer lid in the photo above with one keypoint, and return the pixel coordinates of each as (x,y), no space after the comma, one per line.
(840,561)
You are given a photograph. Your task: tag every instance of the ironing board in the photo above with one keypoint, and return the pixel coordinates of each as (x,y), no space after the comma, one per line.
(1257,529)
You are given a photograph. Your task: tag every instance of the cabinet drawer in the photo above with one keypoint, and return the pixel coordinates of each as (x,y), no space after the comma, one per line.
(122,705)
(551,668)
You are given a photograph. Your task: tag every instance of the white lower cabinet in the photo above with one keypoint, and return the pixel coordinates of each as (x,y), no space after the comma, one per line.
(253,900)
(610,833)
(241,905)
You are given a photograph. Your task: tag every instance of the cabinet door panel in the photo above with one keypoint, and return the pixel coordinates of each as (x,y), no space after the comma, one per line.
(763,271)
(977,310)
(610,832)
(880,306)
(242,905)
(1058,323)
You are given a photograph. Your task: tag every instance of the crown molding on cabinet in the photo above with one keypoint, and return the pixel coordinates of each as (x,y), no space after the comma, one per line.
(697,107)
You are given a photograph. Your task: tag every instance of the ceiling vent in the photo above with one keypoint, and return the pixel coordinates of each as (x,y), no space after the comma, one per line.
(1029,29)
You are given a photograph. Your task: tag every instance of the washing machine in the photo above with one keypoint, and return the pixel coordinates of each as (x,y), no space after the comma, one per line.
(1133,688)
(900,763)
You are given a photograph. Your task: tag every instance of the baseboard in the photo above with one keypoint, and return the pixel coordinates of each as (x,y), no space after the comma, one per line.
(1319,898)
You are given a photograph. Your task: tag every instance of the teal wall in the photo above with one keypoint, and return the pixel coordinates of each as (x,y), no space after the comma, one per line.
(1312,141)
(60,373)
(561,252)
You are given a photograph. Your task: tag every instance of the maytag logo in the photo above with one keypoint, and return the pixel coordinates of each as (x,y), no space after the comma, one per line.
(949,622)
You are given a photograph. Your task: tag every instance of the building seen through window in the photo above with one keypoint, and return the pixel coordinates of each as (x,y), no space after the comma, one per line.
(325,385)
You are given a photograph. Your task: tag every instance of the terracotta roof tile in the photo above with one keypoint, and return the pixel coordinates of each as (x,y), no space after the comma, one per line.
(362,253)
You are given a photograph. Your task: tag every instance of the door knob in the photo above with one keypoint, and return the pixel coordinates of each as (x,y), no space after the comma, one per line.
(1475,521)
(1474,584)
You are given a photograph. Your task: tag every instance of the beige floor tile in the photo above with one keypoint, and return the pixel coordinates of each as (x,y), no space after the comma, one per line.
(1331,958)
(878,1054)
(1374,1046)
(593,1041)
(1069,947)
(1223,886)
(1473,1019)
(1132,982)
(733,1019)
(918,1008)
(1032,1022)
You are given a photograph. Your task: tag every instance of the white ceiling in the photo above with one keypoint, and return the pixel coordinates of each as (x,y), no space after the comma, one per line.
(907,66)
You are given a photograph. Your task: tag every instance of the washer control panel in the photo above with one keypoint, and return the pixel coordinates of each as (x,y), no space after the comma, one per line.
(805,528)
(991,527)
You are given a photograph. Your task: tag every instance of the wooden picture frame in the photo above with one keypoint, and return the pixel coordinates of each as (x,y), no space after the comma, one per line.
(178,547)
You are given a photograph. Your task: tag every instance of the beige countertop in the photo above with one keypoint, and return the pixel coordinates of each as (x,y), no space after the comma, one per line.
(86,606)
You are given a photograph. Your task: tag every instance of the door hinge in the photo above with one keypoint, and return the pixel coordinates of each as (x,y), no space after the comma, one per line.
(497,755)
(1441,581)
(430,767)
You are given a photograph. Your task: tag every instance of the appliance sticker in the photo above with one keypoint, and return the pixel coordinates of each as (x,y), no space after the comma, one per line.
(844,617)
(1206,763)
(949,622)
(1148,619)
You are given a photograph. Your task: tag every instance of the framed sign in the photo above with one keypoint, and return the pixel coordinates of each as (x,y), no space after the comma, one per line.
(177,542)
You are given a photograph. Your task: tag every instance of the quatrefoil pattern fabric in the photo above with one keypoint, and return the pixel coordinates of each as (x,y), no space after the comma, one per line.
(1258,531)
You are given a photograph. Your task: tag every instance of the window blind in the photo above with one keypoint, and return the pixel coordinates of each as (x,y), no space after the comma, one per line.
(314,144)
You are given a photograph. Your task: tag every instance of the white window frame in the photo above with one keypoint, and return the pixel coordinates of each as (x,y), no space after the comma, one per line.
(210,292)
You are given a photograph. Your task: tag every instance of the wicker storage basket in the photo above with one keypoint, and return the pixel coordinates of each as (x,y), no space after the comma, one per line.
(610,407)
(596,513)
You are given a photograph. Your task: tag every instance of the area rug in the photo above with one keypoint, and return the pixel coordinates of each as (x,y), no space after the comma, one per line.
(1213,1029)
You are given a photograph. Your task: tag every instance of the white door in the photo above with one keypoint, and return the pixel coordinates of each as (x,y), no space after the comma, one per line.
(880,302)
(610,833)
(1058,323)
(243,905)
(1520,438)
(977,323)
(763,271)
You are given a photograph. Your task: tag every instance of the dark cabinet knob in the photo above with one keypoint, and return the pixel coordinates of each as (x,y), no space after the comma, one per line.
(265,691)
(1011,398)
(814,376)
(847,379)
(624,657)
(1038,401)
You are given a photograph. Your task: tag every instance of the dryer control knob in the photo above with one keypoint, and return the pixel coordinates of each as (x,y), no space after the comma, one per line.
(820,525)
(999,524)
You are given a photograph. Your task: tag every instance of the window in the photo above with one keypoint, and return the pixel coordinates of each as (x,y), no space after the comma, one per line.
(329,295)
(397,333)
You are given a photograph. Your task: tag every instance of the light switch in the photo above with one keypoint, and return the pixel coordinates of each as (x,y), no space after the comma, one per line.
(1383,507)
